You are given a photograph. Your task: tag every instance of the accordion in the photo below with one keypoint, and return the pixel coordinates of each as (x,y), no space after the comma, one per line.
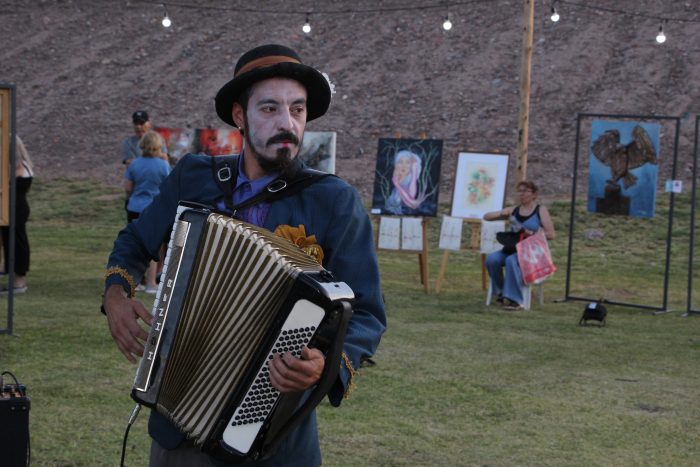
(231,295)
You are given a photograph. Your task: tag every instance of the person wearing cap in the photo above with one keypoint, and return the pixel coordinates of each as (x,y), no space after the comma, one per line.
(270,99)
(130,146)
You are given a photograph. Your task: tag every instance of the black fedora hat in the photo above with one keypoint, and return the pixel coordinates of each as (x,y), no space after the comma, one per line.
(273,61)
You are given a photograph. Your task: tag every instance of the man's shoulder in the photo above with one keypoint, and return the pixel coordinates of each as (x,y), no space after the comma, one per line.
(331,188)
(130,140)
(204,159)
(331,181)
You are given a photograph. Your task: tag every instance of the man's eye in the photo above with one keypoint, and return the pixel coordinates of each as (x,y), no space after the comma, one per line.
(268,109)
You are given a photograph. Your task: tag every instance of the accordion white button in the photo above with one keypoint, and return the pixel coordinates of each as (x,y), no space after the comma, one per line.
(261,397)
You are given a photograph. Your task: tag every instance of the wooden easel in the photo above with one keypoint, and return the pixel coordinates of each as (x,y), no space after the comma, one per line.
(423,255)
(474,244)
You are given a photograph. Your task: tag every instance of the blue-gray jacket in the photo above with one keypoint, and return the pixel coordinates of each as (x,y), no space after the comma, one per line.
(331,210)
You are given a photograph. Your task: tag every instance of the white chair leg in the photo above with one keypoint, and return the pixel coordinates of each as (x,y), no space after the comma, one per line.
(540,291)
(526,291)
(488,294)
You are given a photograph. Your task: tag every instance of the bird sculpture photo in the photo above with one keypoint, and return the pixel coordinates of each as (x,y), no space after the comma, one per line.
(621,158)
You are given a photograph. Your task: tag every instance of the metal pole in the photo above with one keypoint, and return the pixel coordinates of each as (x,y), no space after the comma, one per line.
(692,217)
(670,213)
(693,199)
(573,208)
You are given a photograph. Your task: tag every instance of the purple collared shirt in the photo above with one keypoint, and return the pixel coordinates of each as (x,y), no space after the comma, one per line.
(246,189)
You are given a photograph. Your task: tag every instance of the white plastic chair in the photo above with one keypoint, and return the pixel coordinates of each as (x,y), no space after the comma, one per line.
(525,290)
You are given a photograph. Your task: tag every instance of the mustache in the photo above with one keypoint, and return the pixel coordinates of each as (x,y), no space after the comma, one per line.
(283,136)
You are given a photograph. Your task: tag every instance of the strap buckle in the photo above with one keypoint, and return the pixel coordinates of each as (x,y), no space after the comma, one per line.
(224,174)
(277,185)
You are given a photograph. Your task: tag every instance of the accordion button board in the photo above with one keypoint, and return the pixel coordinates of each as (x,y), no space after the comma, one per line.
(261,397)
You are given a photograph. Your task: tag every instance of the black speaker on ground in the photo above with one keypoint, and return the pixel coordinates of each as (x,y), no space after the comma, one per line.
(14,426)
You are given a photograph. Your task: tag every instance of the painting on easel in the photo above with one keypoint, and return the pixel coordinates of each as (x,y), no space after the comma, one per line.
(480,184)
(407,177)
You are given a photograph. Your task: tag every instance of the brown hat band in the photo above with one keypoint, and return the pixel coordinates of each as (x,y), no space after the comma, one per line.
(263,62)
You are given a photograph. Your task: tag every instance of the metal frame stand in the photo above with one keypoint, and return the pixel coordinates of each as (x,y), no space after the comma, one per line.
(690,311)
(579,117)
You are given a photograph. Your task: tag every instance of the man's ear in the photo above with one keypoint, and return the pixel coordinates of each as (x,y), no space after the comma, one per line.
(237,114)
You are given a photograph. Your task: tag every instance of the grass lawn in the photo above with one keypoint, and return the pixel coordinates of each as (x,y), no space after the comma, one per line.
(456,383)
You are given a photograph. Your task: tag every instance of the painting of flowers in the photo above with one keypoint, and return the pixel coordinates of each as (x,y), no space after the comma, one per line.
(480,184)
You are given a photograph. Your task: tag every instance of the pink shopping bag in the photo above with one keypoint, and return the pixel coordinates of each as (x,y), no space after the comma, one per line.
(534,258)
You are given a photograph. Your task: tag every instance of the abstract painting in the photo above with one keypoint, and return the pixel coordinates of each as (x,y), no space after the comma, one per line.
(317,149)
(407,177)
(480,184)
(623,168)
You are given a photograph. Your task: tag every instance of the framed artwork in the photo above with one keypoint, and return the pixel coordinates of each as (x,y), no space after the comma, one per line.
(487,241)
(480,184)
(451,233)
(210,141)
(7,108)
(218,141)
(412,233)
(623,167)
(389,233)
(179,141)
(318,150)
(407,177)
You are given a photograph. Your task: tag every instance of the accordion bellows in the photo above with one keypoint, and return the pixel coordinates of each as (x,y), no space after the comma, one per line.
(217,332)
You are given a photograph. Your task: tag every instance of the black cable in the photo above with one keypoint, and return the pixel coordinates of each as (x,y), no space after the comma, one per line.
(13,377)
(132,419)
(241,9)
(626,12)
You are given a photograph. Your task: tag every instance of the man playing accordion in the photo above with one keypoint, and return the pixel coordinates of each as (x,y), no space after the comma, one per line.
(270,98)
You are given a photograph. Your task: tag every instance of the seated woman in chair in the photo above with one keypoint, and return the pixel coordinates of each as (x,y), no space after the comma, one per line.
(528,217)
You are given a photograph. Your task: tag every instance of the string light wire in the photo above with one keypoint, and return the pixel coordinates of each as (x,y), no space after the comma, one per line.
(447,24)
(626,12)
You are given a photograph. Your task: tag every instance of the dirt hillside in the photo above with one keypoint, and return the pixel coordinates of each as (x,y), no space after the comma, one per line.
(81,68)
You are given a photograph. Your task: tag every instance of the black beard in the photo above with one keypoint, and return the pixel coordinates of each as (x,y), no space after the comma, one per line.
(283,159)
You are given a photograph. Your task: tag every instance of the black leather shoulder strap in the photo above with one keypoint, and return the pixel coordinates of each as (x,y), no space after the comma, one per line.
(225,171)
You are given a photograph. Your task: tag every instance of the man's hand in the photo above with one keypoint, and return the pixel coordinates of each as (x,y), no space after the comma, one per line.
(291,374)
(122,315)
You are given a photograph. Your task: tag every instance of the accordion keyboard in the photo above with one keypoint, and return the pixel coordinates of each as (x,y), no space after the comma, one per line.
(261,397)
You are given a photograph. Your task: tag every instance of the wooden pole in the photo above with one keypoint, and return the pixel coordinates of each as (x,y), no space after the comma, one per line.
(441,274)
(525,77)
(423,257)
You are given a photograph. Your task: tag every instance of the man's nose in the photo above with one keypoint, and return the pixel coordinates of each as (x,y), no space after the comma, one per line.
(285,120)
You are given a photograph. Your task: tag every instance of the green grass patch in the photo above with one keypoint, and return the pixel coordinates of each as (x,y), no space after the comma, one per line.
(456,383)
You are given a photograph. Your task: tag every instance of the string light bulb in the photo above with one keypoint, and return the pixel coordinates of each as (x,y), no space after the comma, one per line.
(555,15)
(447,25)
(166,19)
(661,37)
(307,25)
